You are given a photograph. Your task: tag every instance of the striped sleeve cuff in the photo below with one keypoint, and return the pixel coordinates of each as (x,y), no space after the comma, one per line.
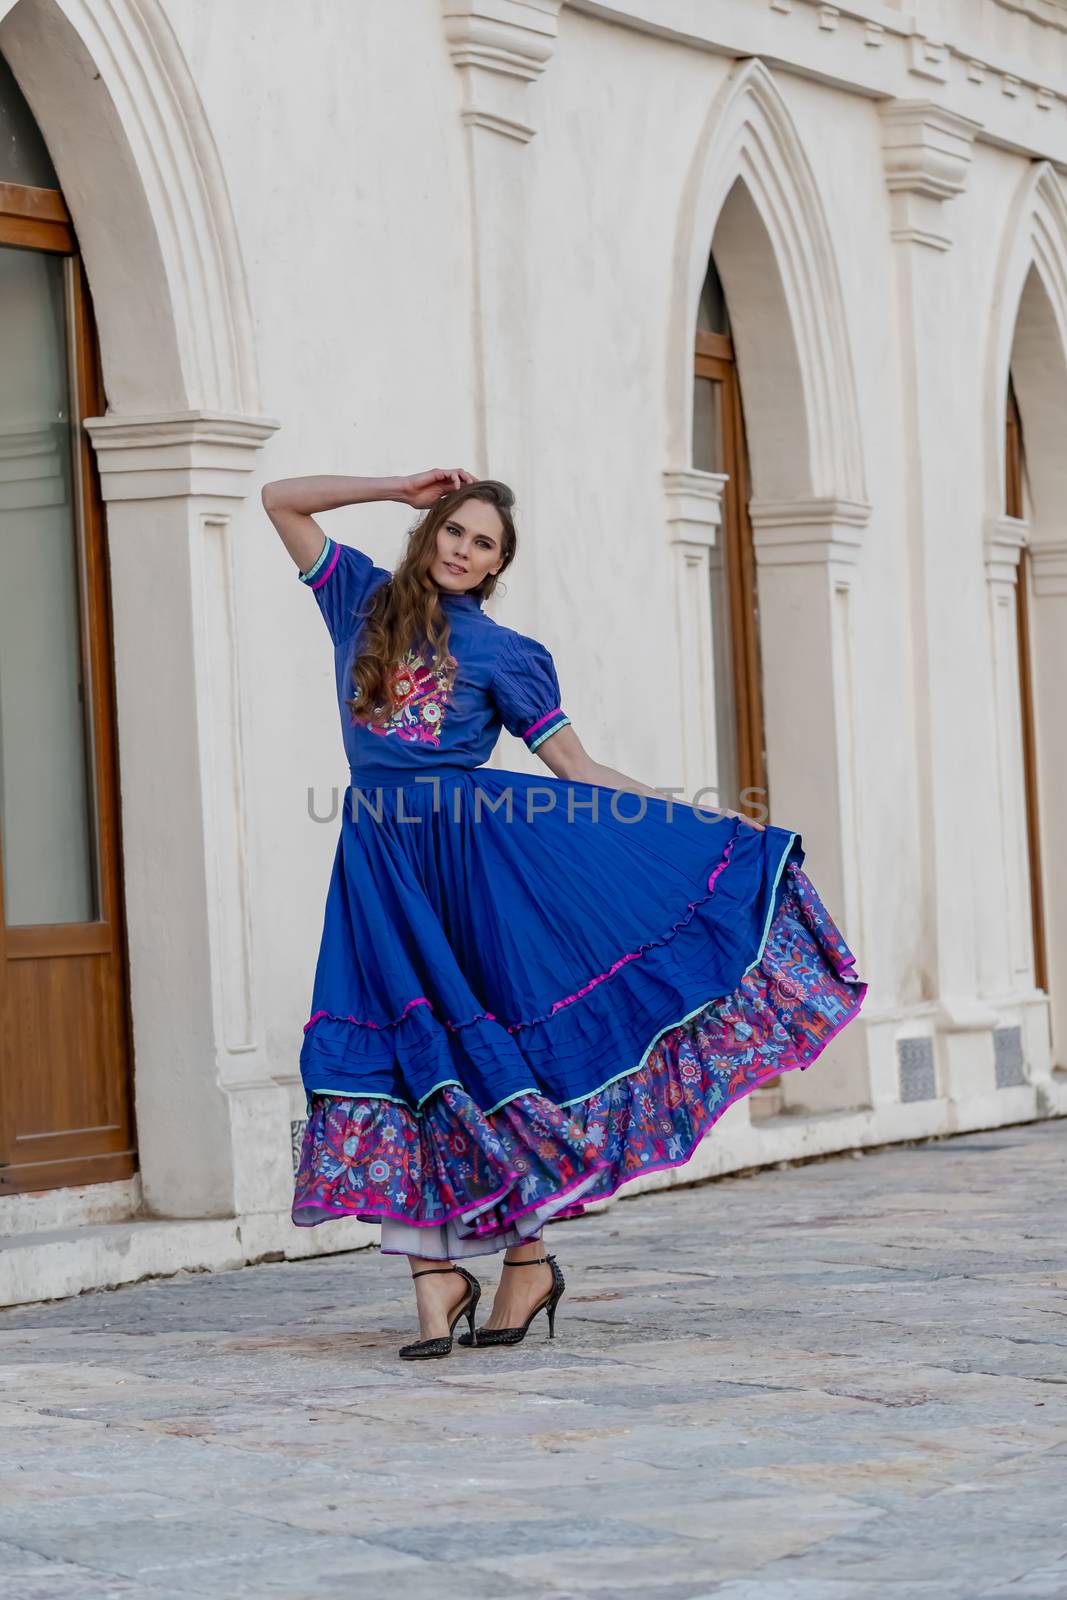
(323,566)
(550,723)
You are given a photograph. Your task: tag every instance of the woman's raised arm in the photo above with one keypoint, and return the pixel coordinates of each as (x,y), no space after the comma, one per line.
(290,503)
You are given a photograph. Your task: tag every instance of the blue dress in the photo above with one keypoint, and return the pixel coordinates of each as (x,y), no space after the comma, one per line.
(530,990)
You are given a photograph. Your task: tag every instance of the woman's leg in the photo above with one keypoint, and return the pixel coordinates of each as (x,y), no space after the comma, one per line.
(437,1295)
(520,1289)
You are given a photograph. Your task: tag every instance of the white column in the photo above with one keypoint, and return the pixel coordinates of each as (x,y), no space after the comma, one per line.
(694,520)
(806,560)
(1048,560)
(927,151)
(212,1123)
(500,48)
(1004,544)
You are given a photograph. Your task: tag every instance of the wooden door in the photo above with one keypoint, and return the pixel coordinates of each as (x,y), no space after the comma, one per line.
(719,446)
(66,1113)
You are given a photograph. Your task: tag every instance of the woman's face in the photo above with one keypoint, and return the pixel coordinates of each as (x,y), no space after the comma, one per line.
(470,544)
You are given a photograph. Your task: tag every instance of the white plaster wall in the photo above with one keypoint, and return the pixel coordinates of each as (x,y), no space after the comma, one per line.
(620,114)
(339,135)
(338,130)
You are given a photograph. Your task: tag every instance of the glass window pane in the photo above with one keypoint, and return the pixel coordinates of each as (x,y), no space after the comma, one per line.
(707,425)
(24,157)
(44,792)
(712,316)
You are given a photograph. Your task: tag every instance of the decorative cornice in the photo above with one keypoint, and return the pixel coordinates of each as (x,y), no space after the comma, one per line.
(1004,542)
(1004,50)
(177,454)
(500,46)
(805,532)
(694,505)
(1048,565)
(927,152)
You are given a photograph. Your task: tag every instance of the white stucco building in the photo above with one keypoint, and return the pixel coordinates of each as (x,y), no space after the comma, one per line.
(761,308)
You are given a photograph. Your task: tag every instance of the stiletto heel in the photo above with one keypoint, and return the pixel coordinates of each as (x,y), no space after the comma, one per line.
(487,1336)
(424,1349)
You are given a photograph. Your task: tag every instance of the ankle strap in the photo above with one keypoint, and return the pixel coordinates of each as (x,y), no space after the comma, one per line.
(424,1270)
(534,1261)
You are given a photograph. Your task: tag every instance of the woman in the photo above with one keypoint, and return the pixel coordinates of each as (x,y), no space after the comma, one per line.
(527,993)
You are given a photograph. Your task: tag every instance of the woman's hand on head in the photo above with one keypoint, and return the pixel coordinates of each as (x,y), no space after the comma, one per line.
(422,489)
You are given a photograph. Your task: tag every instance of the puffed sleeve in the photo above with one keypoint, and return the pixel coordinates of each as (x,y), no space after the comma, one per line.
(526,690)
(340,580)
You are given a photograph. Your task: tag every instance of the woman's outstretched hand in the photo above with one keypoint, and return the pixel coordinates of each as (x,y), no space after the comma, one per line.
(424,488)
(741,815)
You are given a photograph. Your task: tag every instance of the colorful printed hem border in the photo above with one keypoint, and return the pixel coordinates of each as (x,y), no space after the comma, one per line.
(373,1158)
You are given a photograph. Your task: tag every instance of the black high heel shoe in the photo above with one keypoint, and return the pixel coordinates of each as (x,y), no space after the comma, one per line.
(485,1336)
(422,1349)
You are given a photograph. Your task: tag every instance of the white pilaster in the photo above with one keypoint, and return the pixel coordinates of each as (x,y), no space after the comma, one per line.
(927,152)
(1005,539)
(500,48)
(807,559)
(1048,566)
(211,1121)
(694,521)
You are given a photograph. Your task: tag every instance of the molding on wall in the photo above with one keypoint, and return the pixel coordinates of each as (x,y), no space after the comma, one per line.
(1048,563)
(694,505)
(1004,542)
(177,453)
(999,65)
(926,150)
(798,532)
(499,47)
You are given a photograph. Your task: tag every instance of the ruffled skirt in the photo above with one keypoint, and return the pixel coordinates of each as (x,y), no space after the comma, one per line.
(531,991)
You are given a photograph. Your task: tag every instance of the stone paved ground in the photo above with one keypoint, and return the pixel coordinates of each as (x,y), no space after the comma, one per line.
(829,1382)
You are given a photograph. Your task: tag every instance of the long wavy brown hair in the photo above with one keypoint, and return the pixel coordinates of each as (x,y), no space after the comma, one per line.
(405,610)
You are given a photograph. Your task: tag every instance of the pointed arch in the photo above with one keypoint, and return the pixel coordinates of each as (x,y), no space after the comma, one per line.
(1030,320)
(1026,567)
(131,144)
(791,329)
(112,91)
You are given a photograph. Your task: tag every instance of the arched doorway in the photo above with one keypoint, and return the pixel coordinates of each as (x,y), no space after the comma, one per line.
(1026,567)
(66,1115)
(789,515)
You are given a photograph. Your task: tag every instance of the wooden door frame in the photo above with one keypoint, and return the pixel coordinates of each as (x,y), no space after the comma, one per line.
(714,359)
(37,219)
(1015,506)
